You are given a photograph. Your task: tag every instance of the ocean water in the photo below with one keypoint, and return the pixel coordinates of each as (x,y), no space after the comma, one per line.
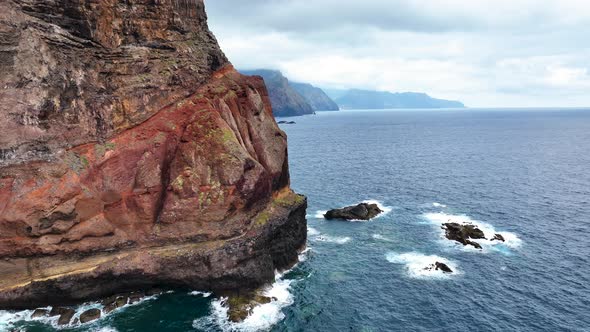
(522,173)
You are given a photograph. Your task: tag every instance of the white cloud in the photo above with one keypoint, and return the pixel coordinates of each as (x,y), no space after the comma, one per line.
(483,52)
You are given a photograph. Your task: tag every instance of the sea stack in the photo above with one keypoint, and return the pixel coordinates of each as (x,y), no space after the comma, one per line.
(362,211)
(134,156)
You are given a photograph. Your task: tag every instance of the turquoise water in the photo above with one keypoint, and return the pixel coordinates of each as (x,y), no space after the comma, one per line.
(523,173)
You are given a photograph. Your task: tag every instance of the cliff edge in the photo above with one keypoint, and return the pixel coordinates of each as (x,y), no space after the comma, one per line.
(133,156)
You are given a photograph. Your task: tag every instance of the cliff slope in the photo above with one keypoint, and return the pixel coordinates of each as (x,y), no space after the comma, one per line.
(315,97)
(285,100)
(133,156)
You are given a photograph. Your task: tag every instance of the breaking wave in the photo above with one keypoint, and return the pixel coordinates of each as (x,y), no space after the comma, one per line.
(385,209)
(380,237)
(262,318)
(333,239)
(511,239)
(9,318)
(319,237)
(312,231)
(420,266)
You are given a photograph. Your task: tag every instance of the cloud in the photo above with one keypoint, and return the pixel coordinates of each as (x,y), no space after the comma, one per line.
(486,53)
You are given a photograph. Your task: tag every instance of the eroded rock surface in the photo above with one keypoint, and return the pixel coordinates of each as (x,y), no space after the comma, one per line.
(134,156)
(90,315)
(463,233)
(76,71)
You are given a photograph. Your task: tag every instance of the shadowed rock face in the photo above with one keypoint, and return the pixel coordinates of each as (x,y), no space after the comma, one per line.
(164,167)
(76,71)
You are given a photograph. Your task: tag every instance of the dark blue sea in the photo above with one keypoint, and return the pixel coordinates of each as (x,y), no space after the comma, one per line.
(524,174)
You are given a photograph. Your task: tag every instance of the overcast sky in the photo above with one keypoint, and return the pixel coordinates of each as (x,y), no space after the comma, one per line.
(486,53)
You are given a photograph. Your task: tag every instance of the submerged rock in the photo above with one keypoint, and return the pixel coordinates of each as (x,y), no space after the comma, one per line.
(363,211)
(90,315)
(286,122)
(463,233)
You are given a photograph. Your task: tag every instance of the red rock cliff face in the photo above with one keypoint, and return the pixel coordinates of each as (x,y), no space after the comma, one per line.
(133,155)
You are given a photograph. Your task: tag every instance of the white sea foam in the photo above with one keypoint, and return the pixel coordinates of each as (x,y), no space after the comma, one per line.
(436,204)
(381,237)
(303,255)
(421,266)
(9,318)
(385,209)
(511,239)
(312,231)
(315,235)
(262,318)
(333,239)
(198,293)
(106,329)
(320,214)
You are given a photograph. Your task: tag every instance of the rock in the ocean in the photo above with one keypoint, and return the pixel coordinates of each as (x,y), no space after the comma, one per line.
(133,155)
(463,233)
(240,305)
(89,315)
(65,315)
(443,267)
(114,302)
(40,313)
(498,237)
(286,122)
(363,211)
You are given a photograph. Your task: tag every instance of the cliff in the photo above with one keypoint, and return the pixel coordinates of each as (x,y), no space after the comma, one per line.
(285,100)
(133,156)
(365,99)
(315,97)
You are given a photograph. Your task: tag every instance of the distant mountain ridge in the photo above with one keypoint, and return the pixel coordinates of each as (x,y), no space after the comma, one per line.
(285,100)
(367,99)
(316,97)
(295,98)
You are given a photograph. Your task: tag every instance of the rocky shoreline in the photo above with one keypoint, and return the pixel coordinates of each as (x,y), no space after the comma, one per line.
(245,262)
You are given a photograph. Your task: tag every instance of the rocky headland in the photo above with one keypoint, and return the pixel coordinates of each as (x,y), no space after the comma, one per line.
(133,156)
(315,97)
(285,100)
